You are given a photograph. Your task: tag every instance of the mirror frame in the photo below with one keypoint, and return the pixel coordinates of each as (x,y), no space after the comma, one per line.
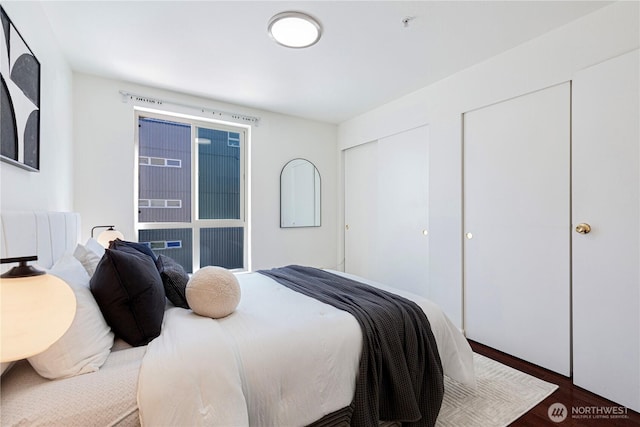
(319,178)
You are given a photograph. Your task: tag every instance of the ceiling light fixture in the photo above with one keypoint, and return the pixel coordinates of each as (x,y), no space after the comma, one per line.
(294,29)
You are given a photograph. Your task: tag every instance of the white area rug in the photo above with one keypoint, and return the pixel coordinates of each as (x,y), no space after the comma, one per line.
(503,395)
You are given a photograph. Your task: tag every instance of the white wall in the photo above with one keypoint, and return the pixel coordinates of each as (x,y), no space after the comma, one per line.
(104,150)
(542,62)
(50,189)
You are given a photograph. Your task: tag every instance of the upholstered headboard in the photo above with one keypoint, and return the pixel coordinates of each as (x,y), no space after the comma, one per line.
(45,234)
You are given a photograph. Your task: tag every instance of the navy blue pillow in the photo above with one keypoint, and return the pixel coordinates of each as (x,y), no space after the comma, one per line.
(140,247)
(174,279)
(129,291)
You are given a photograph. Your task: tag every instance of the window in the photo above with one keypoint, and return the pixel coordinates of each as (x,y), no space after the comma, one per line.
(191,191)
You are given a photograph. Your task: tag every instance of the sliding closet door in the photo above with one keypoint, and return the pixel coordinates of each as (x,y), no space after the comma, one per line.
(606,260)
(516,227)
(386,210)
(403,210)
(361,209)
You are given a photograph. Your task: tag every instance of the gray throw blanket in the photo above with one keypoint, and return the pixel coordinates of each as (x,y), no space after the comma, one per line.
(400,374)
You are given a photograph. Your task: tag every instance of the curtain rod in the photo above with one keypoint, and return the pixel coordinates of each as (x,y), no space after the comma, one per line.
(237,117)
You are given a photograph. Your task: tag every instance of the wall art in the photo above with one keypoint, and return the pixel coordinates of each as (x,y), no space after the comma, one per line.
(19,99)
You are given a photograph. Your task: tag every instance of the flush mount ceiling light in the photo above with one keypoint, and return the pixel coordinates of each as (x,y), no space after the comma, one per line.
(294,29)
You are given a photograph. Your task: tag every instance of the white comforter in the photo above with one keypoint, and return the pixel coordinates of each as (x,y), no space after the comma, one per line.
(281,359)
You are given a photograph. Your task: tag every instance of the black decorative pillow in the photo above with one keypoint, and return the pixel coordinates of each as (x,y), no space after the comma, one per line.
(174,279)
(124,245)
(130,294)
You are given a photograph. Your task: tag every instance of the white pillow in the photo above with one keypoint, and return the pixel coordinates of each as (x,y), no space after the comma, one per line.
(87,343)
(89,255)
(93,245)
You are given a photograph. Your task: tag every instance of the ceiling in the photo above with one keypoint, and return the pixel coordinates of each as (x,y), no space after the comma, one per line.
(366,57)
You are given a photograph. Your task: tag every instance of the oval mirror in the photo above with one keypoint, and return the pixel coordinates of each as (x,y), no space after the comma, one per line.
(299,194)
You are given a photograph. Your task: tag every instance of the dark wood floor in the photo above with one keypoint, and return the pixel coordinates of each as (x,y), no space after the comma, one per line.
(568,394)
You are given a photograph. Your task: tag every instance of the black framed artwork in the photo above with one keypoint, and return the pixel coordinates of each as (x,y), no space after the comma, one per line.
(19,99)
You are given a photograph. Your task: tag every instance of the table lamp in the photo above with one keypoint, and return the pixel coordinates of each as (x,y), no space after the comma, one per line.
(107,235)
(36,309)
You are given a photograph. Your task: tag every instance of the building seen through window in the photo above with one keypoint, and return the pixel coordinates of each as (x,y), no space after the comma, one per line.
(191,191)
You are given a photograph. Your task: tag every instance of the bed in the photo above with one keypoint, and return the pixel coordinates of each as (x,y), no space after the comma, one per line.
(282,358)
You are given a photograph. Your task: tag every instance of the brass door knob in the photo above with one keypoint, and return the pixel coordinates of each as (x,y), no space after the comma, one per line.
(583,228)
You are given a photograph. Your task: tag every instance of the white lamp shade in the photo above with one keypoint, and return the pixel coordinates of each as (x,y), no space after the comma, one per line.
(108,235)
(35,312)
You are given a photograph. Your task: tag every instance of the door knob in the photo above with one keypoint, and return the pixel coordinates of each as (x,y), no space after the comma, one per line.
(583,228)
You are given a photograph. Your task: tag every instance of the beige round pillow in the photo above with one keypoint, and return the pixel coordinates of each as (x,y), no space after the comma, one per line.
(213,292)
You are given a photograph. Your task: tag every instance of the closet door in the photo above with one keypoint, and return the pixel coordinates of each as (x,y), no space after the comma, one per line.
(360,209)
(516,225)
(606,260)
(386,210)
(403,210)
